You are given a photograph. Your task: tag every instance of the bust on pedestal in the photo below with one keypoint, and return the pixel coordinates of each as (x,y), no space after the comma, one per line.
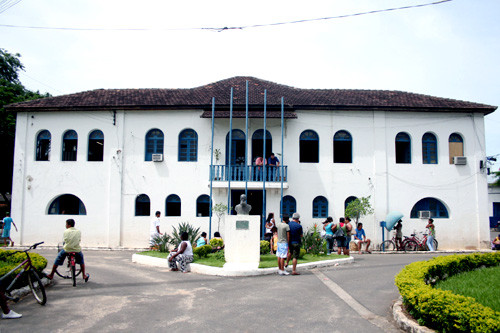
(242,238)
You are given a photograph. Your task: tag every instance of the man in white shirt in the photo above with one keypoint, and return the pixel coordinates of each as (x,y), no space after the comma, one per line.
(154,230)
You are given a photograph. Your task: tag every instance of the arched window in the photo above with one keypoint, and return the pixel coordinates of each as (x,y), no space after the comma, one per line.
(43,146)
(203,205)
(70,144)
(258,144)
(289,205)
(456,144)
(309,147)
(173,205)
(349,200)
(142,205)
(320,207)
(154,143)
(342,147)
(429,149)
(188,146)
(96,146)
(238,147)
(67,204)
(403,148)
(436,207)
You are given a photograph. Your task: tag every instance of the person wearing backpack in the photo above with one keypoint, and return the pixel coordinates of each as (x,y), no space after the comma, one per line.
(340,234)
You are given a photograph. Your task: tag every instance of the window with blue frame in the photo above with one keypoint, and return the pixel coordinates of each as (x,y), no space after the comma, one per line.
(349,200)
(320,207)
(96,146)
(203,205)
(258,144)
(309,147)
(142,205)
(429,149)
(70,145)
(456,146)
(188,146)
(173,205)
(342,147)
(67,204)
(289,205)
(403,148)
(154,143)
(437,208)
(43,146)
(238,139)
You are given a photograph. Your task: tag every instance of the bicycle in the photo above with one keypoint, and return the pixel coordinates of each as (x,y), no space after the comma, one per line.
(392,244)
(71,271)
(34,282)
(416,243)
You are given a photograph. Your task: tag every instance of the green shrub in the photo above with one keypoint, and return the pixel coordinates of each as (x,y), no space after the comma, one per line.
(441,309)
(161,242)
(264,247)
(11,261)
(302,253)
(216,243)
(193,234)
(312,241)
(202,251)
(219,255)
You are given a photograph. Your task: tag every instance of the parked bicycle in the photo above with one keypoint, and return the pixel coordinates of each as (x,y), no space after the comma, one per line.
(416,243)
(26,269)
(393,245)
(70,271)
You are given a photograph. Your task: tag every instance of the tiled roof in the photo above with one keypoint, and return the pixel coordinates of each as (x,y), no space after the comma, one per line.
(200,98)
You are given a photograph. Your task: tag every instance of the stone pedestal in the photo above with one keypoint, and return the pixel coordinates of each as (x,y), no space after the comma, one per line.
(242,242)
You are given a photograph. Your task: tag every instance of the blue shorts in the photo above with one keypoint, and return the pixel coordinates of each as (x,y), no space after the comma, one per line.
(63,254)
(6,233)
(282,251)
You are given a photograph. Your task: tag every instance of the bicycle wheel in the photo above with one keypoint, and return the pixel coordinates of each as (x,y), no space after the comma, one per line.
(410,245)
(37,288)
(387,245)
(66,273)
(73,275)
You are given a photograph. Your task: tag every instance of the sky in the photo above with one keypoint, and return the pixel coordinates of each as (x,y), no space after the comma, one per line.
(450,49)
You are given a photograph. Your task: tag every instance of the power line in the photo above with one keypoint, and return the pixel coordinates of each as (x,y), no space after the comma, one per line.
(220,29)
(6,4)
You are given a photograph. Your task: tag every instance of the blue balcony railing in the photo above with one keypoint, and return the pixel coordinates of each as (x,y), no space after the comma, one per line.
(251,173)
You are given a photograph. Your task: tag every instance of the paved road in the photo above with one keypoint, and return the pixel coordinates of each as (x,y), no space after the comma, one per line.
(123,296)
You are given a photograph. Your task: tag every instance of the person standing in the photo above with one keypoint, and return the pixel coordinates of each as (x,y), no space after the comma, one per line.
(273,163)
(431,236)
(348,227)
(72,238)
(7,222)
(327,227)
(6,312)
(270,223)
(283,240)
(295,241)
(399,234)
(341,240)
(154,229)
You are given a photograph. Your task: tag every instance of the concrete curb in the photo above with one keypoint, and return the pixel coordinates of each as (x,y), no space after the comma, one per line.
(21,292)
(405,322)
(218,271)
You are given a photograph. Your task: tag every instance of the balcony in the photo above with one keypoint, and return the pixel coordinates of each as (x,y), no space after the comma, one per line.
(249,175)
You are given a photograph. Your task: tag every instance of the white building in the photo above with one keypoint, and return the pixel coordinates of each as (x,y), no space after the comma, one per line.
(88,156)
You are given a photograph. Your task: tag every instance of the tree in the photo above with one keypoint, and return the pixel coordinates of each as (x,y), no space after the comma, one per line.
(11,91)
(358,208)
(219,210)
(497,178)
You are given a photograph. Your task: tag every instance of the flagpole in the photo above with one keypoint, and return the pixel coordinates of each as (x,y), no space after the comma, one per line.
(282,154)
(264,166)
(246,142)
(211,171)
(230,153)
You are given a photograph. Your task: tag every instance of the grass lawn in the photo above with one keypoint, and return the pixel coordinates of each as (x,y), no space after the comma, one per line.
(266,260)
(481,284)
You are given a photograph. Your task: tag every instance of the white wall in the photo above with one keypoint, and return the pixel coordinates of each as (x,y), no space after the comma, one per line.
(109,188)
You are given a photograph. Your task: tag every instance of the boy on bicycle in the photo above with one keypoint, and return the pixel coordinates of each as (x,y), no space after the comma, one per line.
(72,238)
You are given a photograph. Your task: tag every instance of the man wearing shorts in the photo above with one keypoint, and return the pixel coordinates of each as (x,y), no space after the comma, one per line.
(72,238)
(295,240)
(283,240)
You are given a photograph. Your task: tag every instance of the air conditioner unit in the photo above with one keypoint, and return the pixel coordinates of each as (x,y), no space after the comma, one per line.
(157,157)
(459,160)
(424,214)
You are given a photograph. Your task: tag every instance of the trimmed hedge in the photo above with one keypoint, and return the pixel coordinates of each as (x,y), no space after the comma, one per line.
(11,261)
(443,310)
(202,251)
(264,247)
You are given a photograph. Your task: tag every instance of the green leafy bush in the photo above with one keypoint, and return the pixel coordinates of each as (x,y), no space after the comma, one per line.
(161,242)
(193,234)
(302,253)
(216,243)
(312,241)
(11,261)
(264,247)
(203,251)
(219,255)
(441,309)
